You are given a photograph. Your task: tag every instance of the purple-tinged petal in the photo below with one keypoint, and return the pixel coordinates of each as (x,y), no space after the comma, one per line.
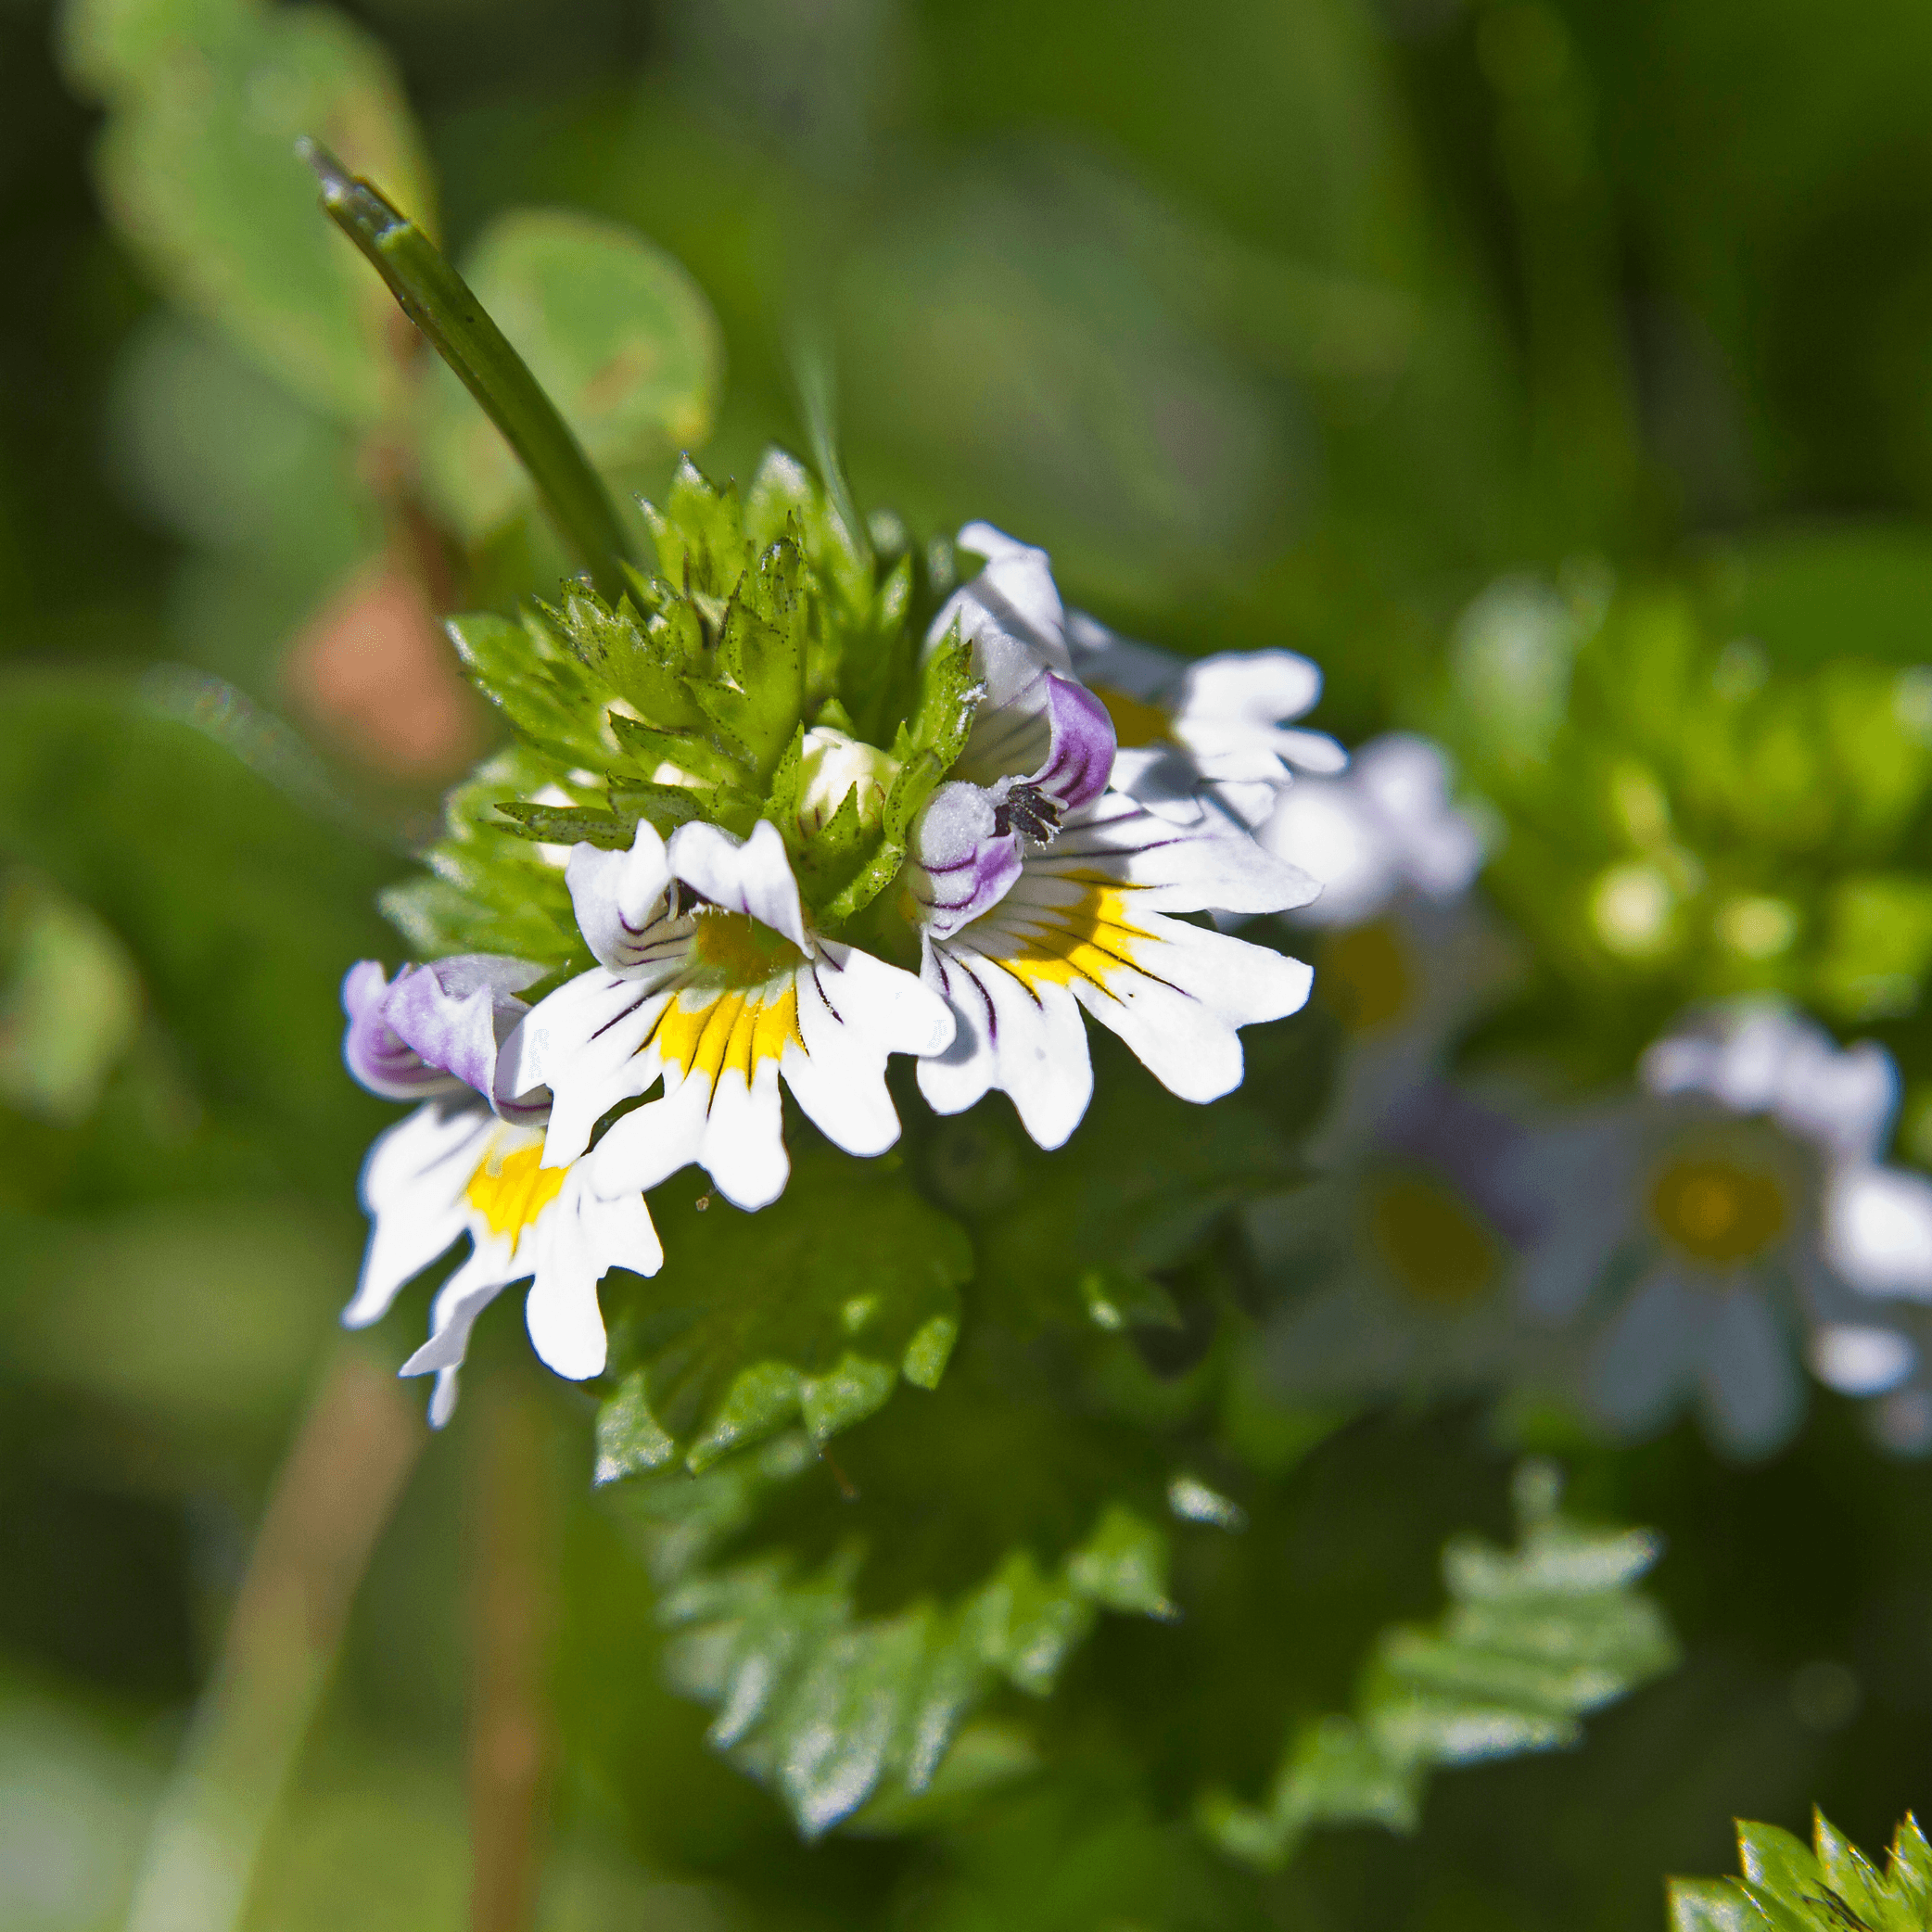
(376,1054)
(1081,753)
(455,1013)
(961,861)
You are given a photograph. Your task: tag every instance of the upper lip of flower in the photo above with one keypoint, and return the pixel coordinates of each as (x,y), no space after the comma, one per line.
(439,1029)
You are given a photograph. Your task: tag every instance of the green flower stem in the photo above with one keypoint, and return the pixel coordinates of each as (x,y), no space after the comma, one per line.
(441,303)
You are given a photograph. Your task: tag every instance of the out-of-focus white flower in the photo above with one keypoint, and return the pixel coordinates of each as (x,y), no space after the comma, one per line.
(1401,1282)
(1700,1226)
(1402,985)
(1384,827)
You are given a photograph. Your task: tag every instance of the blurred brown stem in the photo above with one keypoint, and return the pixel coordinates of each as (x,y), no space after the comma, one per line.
(512,1560)
(332,1497)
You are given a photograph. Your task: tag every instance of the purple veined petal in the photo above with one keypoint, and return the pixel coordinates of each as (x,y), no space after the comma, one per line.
(378,1056)
(751,876)
(455,1013)
(619,897)
(961,861)
(1080,757)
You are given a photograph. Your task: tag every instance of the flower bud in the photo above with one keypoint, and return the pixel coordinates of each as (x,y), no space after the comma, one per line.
(833,764)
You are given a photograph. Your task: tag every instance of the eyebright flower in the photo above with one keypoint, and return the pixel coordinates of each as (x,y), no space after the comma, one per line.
(1703,1225)
(710,979)
(1386,827)
(468,1161)
(1038,890)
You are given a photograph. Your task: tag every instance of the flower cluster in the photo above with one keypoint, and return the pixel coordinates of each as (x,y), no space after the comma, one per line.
(796,840)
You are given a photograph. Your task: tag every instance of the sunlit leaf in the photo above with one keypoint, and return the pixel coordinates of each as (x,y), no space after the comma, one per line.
(198,170)
(615,331)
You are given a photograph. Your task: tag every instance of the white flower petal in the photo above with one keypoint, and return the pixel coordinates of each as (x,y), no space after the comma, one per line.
(465,1296)
(1260,689)
(743,1143)
(1753,1393)
(1646,1364)
(618,897)
(1186,991)
(1861,1361)
(1878,1231)
(749,875)
(1103,657)
(853,1011)
(579,1241)
(412,1189)
(1030,1042)
(587,1043)
(1388,823)
(1174,992)
(1311,751)
(1014,594)
(650,1144)
(1760,1056)
(1210,867)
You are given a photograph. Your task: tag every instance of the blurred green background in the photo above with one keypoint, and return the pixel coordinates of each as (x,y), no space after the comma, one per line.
(1279,322)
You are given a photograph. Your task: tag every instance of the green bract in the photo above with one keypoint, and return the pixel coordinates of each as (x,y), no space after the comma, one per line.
(1831,1887)
(698,696)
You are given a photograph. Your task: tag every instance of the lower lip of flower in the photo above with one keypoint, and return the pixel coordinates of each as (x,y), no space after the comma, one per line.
(510,1190)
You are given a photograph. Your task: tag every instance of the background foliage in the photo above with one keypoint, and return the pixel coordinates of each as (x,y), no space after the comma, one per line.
(1518,360)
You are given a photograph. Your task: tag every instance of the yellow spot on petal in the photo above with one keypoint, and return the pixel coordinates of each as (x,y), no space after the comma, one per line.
(708,1034)
(1091,939)
(511,1191)
(1135,722)
(1434,1247)
(1718,1211)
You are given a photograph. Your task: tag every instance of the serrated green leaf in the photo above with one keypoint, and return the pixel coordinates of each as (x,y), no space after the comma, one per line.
(198,170)
(1911,1867)
(1507,1669)
(1713,1905)
(649,748)
(837,1711)
(812,1309)
(1850,1873)
(1123,1566)
(492,891)
(1775,1862)
(700,538)
(1790,1887)
(615,331)
(568,825)
(545,692)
